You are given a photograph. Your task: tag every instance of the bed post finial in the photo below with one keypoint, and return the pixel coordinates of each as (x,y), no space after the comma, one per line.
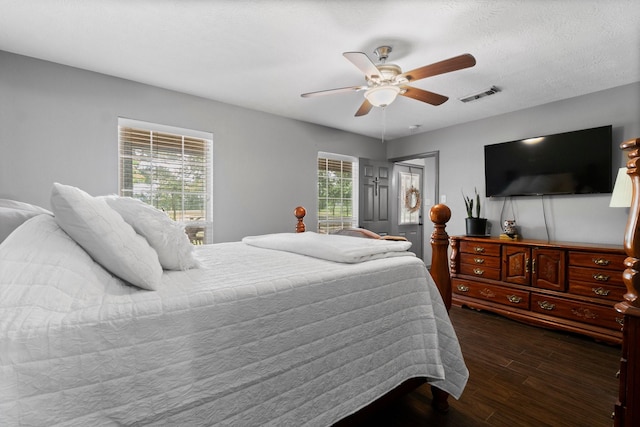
(440,215)
(300,212)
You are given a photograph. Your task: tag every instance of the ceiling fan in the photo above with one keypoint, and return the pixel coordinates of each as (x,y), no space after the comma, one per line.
(386,81)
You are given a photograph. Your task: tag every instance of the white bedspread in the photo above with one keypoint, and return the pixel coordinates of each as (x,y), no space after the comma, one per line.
(331,247)
(254,338)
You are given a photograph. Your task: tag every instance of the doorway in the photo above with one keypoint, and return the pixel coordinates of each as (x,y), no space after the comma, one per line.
(380,198)
(428,164)
(408,189)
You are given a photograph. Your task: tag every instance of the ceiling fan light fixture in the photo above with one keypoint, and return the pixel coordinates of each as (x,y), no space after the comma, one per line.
(381,96)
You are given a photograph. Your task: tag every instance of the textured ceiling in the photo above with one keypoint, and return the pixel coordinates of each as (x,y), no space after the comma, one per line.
(263,54)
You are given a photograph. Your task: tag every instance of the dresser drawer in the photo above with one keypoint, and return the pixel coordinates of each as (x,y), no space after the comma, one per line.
(604,291)
(597,276)
(480,248)
(597,260)
(480,260)
(598,315)
(480,271)
(497,294)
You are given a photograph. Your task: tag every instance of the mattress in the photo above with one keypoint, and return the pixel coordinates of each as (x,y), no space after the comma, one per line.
(254,337)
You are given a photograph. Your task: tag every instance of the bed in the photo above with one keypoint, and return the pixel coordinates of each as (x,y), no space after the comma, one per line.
(104,320)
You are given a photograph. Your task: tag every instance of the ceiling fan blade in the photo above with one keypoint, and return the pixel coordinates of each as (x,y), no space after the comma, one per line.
(363,62)
(423,95)
(364,108)
(332,91)
(446,66)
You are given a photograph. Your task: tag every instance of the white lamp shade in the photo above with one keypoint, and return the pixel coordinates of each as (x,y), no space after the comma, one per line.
(622,190)
(381,96)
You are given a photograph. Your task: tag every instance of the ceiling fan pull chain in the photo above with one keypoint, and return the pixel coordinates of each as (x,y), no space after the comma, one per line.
(384,122)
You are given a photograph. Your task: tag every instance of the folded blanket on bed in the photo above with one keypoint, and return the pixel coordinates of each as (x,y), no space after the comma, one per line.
(331,247)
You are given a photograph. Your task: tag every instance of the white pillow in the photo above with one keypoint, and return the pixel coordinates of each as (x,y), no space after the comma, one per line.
(165,235)
(14,213)
(103,233)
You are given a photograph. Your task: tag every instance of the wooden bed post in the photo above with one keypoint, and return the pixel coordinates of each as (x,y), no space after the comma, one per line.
(440,215)
(300,212)
(631,275)
(627,410)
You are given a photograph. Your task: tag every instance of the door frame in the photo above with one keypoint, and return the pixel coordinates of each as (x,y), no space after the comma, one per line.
(427,229)
(405,230)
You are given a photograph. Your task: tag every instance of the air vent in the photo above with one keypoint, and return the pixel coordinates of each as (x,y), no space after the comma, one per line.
(491,91)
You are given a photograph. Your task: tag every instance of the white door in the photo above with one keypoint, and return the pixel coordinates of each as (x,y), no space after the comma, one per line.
(410,205)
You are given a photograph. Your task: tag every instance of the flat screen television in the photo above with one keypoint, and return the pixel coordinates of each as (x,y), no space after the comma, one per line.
(578,162)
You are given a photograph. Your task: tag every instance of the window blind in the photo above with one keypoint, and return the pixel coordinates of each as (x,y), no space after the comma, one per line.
(171,172)
(337,192)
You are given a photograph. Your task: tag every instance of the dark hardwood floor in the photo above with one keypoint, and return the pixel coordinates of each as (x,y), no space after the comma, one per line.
(520,375)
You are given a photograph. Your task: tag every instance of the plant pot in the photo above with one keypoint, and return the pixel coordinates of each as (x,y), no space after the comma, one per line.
(476,226)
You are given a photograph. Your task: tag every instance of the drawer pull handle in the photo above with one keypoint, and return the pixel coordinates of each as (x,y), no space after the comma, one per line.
(601,277)
(478,260)
(620,321)
(533,266)
(601,291)
(478,249)
(463,288)
(600,261)
(514,299)
(546,305)
(478,271)
(526,264)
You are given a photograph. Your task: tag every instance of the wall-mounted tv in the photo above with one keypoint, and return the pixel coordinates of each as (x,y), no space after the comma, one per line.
(578,162)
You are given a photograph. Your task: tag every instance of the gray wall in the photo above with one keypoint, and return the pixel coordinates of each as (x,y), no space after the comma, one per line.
(568,218)
(60,124)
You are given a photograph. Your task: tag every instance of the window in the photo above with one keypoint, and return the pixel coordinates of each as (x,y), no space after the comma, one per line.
(337,192)
(171,169)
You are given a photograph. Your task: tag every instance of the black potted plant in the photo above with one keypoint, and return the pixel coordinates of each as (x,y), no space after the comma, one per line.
(476,226)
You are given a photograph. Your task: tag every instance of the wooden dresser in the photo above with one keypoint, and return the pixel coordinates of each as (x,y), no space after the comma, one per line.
(568,286)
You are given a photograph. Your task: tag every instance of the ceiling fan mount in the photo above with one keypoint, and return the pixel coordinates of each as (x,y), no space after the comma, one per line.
(382,52)
(386,81)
